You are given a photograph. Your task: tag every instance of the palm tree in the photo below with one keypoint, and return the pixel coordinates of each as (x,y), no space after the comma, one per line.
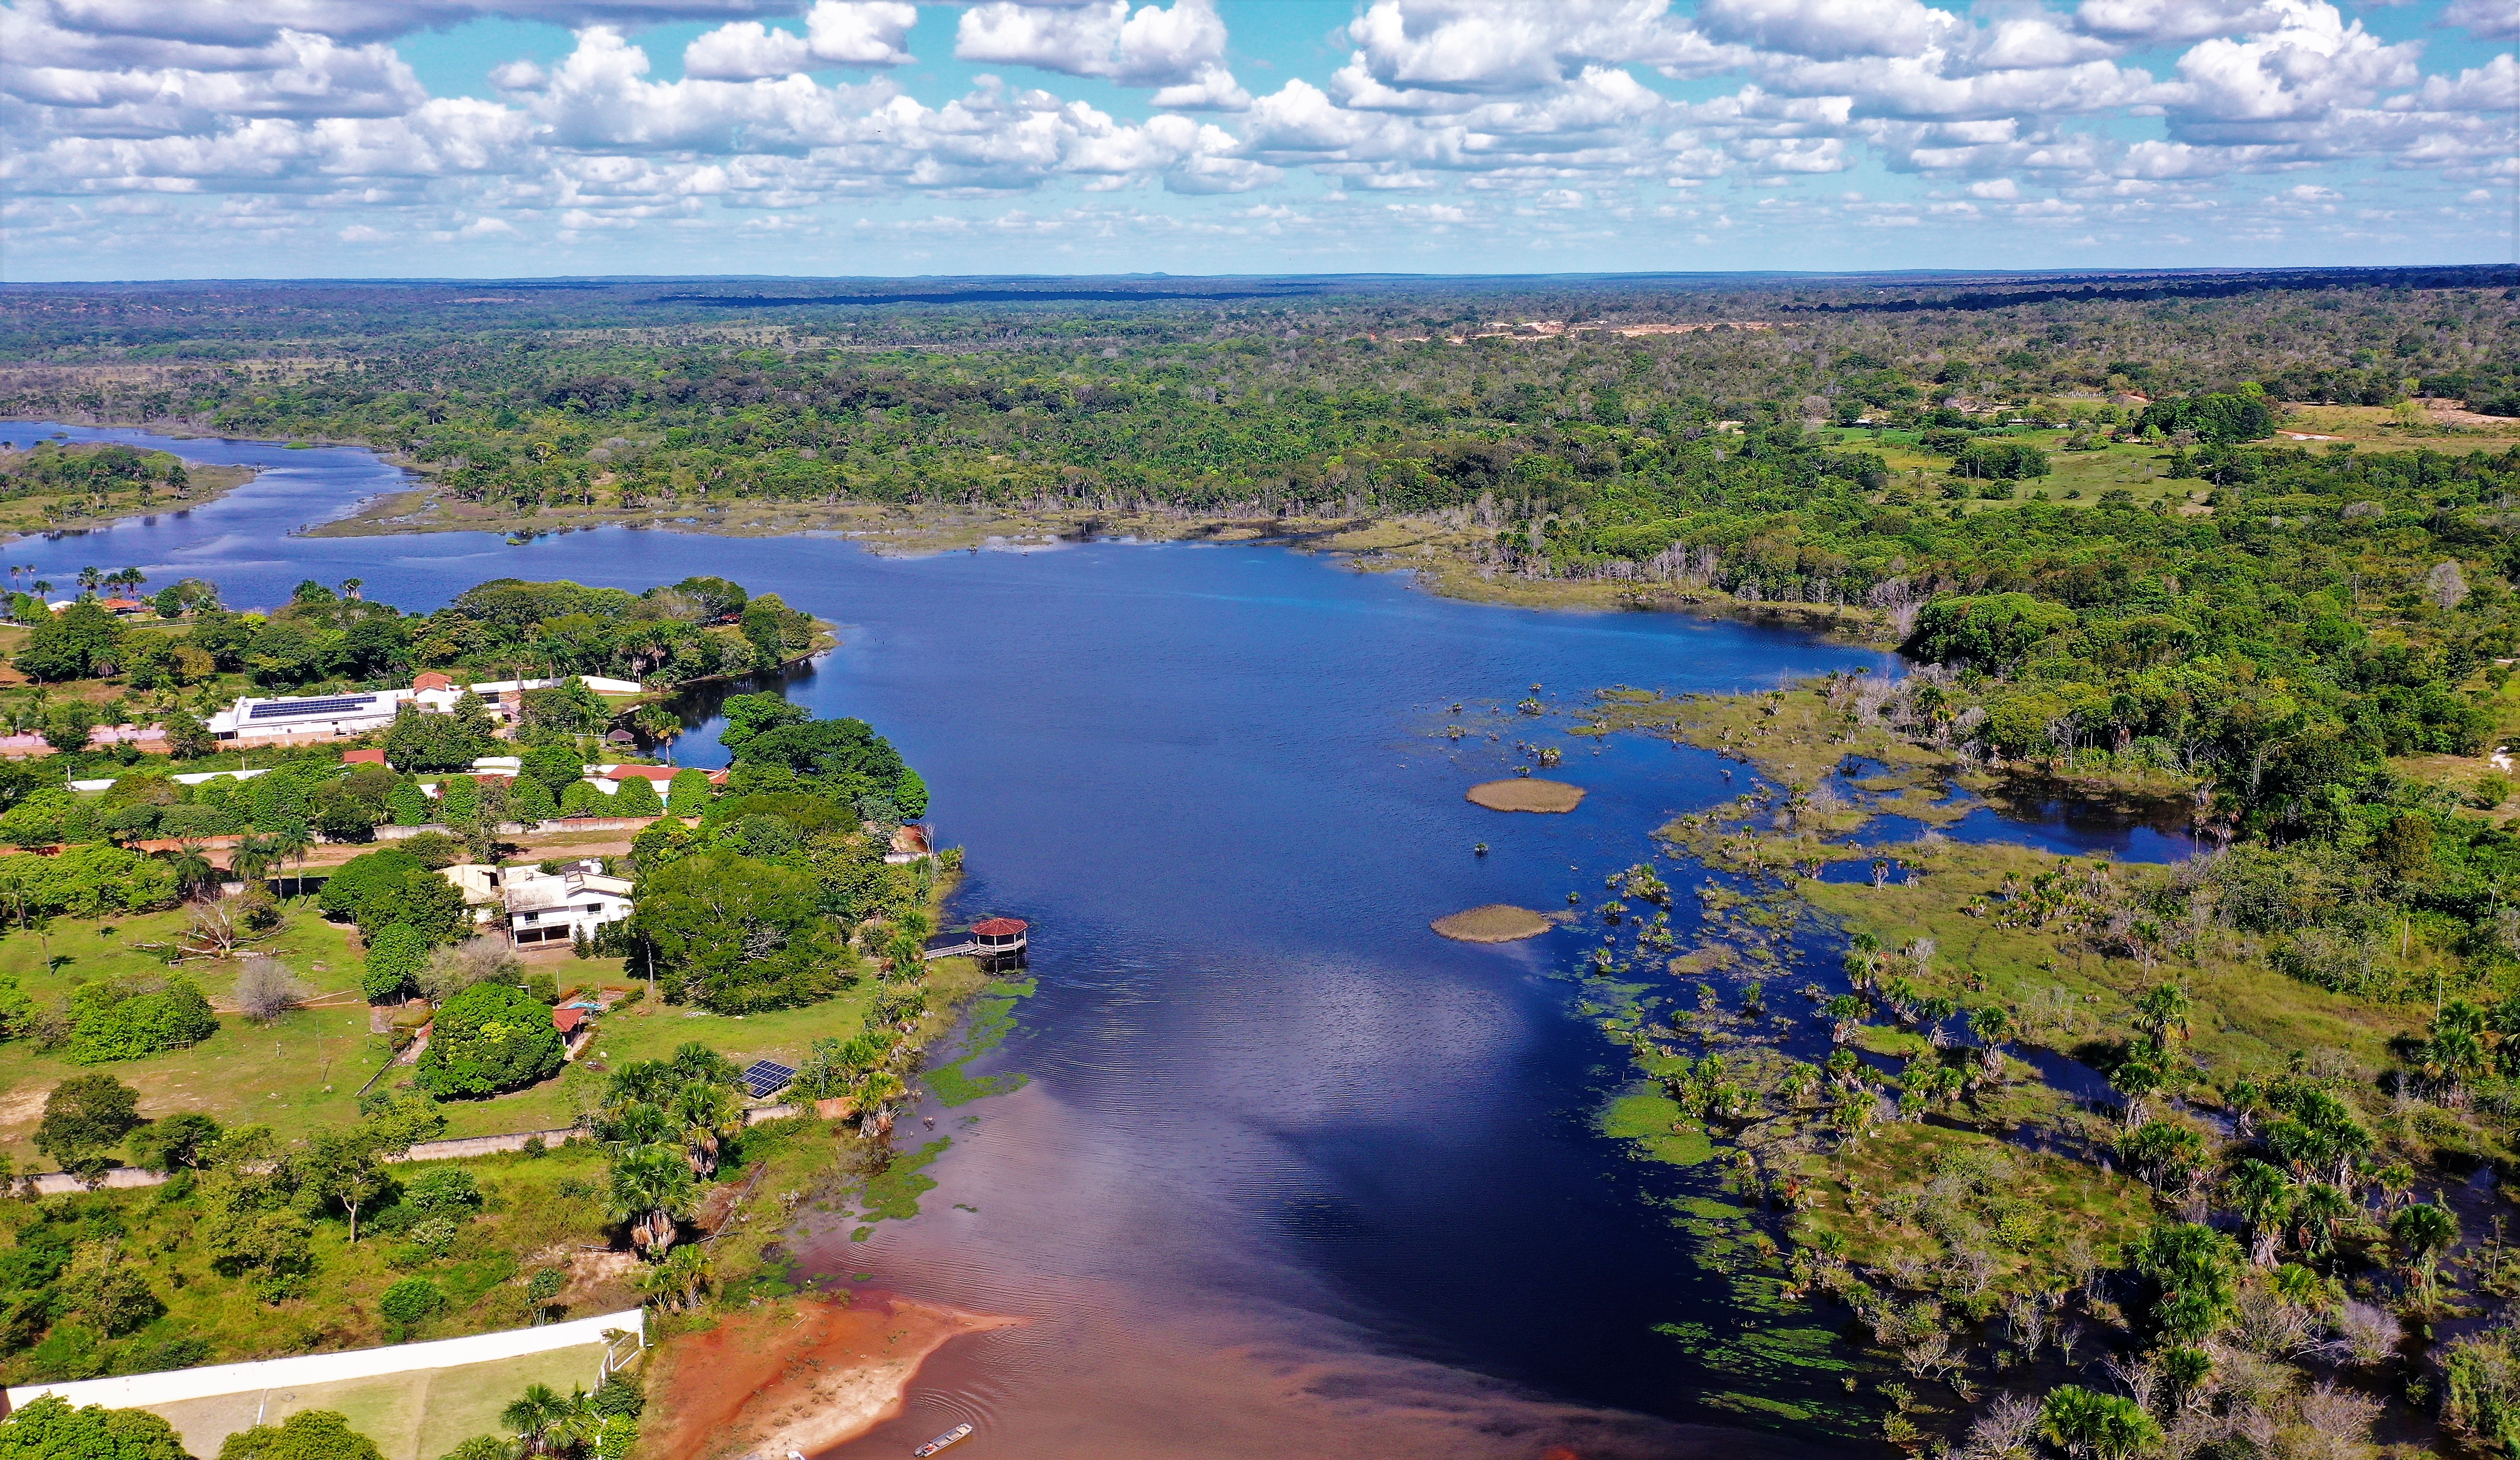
(2421,1233)
(252,859)
(88,578)
(652,1190)
(534,1415)
(2076,1419)
(683,1278)
(2264,1195)
(633,1126)
(1991,1026)
(2164,1012)
(294,840)
(706,1116)
(194,873)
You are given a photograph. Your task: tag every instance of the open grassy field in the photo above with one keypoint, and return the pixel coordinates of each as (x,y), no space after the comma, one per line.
(303,1071)
(415,1416)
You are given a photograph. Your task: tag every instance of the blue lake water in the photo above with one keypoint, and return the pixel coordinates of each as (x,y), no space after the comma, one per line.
(1291,1176)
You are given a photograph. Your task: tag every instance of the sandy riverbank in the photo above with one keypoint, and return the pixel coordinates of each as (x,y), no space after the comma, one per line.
(1496,922)
(1526,794)
(803,1376)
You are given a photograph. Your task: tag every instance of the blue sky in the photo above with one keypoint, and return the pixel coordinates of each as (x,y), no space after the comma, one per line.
(293,138)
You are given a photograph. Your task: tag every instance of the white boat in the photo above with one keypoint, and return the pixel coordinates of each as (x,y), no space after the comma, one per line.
(955,1436)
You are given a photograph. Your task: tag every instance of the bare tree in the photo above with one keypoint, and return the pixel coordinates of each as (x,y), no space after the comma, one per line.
(2444,587)
(476,960)
(265,989)
(2007,1430)
(1899,601)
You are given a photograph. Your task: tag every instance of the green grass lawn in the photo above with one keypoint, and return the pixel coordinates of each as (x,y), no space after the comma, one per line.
(303,1071)
(306,1070)
(650,1030)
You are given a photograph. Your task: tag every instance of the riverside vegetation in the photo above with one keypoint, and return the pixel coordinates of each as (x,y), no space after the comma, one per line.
(179,1032)
(2266,1232)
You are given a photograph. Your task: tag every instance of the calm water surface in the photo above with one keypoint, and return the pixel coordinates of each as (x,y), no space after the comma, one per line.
(1290,1174)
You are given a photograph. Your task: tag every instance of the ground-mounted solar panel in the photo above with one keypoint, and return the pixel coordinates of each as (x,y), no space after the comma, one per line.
(277,708)
(765,1077)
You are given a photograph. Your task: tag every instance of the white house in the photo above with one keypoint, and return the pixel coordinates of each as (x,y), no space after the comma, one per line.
(546,907)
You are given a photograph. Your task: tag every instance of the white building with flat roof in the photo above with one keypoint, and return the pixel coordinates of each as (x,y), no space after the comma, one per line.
(305,719)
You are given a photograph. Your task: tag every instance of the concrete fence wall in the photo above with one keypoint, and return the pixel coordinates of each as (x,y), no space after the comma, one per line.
(175,1385)
(124,1178)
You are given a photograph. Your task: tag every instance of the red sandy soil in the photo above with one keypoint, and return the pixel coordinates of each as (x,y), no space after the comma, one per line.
(801,1377)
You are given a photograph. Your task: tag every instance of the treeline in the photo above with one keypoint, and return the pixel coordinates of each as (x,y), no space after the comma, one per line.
(1258,403)
(504,630)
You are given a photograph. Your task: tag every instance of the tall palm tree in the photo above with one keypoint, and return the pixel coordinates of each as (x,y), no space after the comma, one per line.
(634,1126)
(652,1190)
(194,874)
(252,859)
(707,1117)
(293,842)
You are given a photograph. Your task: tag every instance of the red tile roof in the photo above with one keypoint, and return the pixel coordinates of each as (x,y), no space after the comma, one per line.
(661,774)
(363,758)
(1000,927)
(567,1020)
(433,680)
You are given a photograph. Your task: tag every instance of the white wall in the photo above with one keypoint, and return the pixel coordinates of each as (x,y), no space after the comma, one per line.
(137,1390)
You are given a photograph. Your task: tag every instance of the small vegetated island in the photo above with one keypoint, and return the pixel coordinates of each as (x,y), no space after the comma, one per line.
(267,988)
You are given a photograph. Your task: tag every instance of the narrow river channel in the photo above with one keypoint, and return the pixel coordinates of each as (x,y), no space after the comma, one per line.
(1287,1175)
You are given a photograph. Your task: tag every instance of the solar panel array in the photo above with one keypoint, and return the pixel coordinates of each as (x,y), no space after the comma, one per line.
(765,1077)
(276,709)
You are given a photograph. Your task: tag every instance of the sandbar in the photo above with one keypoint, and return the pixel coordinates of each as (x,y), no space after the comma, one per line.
(803,1376)
(1527,795)
(1496,922)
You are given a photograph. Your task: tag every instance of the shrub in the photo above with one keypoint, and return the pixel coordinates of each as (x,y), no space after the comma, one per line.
(116,1020)
(689,793)
(411,1303)
(489,1038)
(50,1429)
(265,989)
(581,798)
(308,1434)
(443,1190)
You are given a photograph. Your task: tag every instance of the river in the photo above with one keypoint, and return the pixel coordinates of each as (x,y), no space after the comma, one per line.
(1290,1175)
